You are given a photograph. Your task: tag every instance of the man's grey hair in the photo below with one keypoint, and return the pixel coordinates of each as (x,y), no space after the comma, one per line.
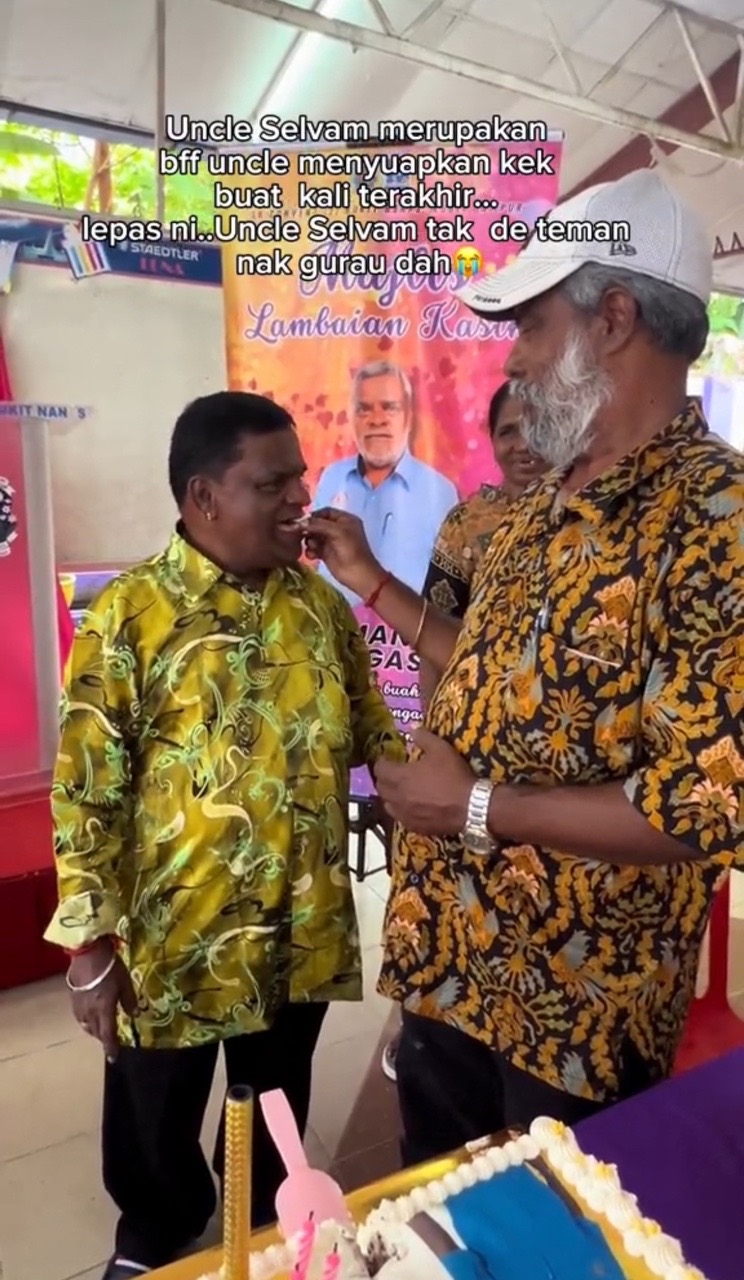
(676,322)
(384,369)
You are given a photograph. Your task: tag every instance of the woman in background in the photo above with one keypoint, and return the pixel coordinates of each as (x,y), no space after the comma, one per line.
(464,539)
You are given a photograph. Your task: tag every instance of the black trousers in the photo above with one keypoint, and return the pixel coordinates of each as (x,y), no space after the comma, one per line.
(153,1108)
(452,1090)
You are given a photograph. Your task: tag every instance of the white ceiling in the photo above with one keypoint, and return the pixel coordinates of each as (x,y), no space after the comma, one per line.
(96,59)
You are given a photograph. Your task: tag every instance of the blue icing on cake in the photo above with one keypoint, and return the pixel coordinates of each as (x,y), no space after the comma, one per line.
(514,1227)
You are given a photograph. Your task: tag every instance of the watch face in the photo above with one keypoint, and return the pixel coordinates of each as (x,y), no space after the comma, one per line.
(480,844)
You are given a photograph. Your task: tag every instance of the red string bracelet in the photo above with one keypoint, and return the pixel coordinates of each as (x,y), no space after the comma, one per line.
(372,601)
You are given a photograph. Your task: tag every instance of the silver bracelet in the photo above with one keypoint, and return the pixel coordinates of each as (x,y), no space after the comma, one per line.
(91,986)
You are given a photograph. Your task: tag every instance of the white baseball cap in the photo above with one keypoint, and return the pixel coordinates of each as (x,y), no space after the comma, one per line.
(666,241)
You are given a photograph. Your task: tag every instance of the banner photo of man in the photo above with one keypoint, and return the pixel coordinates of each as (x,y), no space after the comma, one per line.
(400,500)
(353,324)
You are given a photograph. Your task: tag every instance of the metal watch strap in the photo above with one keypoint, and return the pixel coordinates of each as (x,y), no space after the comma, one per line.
(476,823)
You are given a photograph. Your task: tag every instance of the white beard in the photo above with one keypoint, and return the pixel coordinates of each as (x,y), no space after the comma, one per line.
(560,412)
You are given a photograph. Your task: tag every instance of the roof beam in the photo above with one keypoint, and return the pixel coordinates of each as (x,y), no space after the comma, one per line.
(689,112)
(396,47)
(686,12)
(80,126)
(723,26)
(703,81)
(284,62)
(559,48)
(384,21)
(429,12)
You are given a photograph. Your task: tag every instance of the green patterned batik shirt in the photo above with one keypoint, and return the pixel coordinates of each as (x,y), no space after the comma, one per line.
(200,794)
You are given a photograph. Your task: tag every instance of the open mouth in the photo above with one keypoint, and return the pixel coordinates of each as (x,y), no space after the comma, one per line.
(298,526)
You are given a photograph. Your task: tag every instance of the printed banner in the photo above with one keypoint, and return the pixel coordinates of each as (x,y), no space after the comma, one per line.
(85,259)
(8,251)
(45,412)
(341,303)
(52,244)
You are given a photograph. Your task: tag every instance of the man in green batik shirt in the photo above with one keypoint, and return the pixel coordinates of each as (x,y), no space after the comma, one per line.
(218,697)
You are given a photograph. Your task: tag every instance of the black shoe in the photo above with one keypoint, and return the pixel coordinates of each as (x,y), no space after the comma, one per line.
(121,1270)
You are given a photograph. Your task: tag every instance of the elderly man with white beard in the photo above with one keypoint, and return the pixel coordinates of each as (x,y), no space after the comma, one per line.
(575,798)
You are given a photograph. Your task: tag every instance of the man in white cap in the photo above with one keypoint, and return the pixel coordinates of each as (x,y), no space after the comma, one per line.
(577,795)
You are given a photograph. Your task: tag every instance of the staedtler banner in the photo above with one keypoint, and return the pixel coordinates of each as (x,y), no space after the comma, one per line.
(45,243)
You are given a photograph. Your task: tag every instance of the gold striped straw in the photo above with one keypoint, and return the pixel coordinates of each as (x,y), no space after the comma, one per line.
(237,1191)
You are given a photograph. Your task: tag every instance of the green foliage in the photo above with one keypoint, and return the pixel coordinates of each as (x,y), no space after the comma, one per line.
(23,144)
(39,165)
(727,315)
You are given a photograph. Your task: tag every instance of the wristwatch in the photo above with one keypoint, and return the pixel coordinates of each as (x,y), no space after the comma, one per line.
(476,836)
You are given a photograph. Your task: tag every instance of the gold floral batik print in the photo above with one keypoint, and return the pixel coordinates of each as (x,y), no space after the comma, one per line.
(604,642)
(461,544)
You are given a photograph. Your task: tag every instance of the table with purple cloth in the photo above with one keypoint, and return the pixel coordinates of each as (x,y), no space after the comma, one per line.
(680,1149)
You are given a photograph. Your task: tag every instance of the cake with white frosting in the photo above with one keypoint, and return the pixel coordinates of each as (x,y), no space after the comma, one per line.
(535,1208)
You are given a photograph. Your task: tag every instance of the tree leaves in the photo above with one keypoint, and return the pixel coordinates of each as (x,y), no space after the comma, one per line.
(24,144)
(39,165)
(727,315)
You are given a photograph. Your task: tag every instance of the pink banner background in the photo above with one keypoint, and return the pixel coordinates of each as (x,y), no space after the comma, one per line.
(299,342)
